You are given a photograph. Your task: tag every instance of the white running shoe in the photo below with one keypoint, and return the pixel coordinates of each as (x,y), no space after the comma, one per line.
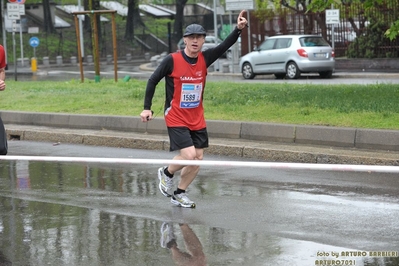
(182,200)
(167,234)
(165,183)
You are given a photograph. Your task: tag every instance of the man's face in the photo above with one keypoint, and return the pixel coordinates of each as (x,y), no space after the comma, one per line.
(194,42)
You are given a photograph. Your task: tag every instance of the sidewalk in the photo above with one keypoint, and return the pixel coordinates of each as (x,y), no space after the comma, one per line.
(260,141)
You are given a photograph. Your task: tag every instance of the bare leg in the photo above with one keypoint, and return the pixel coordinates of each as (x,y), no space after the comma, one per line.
(192,242)
(179,257)
(195,255)
(189,172)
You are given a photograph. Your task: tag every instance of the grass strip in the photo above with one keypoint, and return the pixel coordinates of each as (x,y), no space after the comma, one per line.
(362,106)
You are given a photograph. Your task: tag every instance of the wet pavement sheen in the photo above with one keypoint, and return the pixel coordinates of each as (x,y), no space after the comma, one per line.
(92,214)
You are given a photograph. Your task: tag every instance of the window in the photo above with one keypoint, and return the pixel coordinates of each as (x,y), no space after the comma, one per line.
(313,41)
(267,45)
(209,40)
(283,43)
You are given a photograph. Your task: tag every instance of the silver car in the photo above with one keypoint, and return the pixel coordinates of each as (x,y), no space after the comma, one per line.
(289,56)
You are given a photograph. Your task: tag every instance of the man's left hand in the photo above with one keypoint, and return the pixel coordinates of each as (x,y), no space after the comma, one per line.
(2,85)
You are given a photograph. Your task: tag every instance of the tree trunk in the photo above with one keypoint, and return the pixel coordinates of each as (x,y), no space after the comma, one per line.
(133,19)
(47,19)
(129,29)
(179,21)
(96,6)
(87,25)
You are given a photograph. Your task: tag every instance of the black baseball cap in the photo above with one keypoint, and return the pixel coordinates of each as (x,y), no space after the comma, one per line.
(194,29)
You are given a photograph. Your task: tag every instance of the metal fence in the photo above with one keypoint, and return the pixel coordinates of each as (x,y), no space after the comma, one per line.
(354,22)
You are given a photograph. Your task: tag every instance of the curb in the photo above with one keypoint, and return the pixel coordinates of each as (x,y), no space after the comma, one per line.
(263,151)
(346,73)
(262,141)
(254,131)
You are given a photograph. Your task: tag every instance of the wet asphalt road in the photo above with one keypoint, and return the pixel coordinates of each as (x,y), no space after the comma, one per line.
(134,70)
(113,214)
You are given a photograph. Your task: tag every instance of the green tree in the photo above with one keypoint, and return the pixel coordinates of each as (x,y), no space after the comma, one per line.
(364,45)
(267,10)
(393,32)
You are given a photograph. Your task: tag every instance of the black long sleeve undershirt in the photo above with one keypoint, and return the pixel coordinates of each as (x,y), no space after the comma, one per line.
(166,66)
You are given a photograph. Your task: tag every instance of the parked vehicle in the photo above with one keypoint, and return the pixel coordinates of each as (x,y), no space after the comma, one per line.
(289,56)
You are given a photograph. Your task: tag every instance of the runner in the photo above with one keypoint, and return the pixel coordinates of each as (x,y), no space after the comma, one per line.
(185,76)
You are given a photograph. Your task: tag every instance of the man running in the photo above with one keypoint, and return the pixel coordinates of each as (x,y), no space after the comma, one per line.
(185,74)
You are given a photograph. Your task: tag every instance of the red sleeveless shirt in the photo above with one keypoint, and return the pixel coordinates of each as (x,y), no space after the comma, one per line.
(186,109)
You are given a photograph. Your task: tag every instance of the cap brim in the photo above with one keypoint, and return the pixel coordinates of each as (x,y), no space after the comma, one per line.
(198,33)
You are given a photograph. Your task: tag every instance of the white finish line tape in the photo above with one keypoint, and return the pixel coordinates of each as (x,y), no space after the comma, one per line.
(274,165)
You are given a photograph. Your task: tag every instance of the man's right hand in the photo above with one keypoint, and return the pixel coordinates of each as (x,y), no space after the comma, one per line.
(146,115)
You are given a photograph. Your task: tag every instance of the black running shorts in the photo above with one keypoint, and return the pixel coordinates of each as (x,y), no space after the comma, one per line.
(182,137)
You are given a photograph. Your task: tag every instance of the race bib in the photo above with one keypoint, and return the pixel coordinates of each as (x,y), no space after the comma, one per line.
(190,95)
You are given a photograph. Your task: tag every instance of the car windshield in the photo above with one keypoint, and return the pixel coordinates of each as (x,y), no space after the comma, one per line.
(211,39)
(312,41)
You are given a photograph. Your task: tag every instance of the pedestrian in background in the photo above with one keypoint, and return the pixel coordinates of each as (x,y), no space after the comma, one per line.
(185,76)
(3,134)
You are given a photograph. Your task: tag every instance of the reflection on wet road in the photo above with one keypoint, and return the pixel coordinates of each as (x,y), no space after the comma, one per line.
(91,214)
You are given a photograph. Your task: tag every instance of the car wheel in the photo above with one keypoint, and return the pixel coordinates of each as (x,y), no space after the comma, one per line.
(280,75)
(247,71)
(292,70)
(229,55)
(326,74)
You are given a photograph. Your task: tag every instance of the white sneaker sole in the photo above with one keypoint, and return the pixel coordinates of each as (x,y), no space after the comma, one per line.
(177,203)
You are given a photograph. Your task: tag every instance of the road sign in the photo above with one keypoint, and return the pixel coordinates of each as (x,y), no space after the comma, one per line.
(232,5)
(14,25)
(33,30)
(34,42)
(21,9)
(13,11)
(332,16)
